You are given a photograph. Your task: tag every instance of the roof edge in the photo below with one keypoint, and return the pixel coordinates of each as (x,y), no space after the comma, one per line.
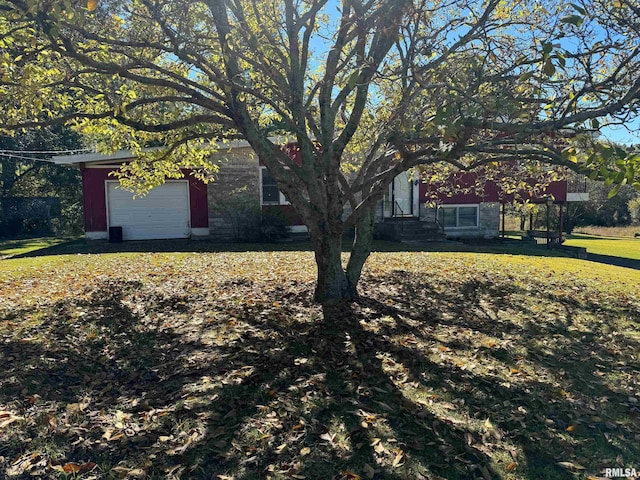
(94,157)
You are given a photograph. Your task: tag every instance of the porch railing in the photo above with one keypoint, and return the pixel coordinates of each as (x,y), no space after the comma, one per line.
(397,205)
(542,237)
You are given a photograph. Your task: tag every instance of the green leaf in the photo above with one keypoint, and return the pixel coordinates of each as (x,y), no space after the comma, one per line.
(576,20)
(525,76)
(612,193)
(548,68)
(595,124)
(353,79)
(579,9)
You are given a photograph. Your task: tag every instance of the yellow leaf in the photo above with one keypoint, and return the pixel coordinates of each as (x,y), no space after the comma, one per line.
(570,428)
(347,475)
(78,468)
(305,451)
(92,5)
(399,460)
(512,466)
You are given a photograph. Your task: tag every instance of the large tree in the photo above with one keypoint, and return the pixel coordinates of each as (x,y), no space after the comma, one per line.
(366,89)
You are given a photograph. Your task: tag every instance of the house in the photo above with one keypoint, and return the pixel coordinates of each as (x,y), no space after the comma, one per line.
(176,209)
(244,194)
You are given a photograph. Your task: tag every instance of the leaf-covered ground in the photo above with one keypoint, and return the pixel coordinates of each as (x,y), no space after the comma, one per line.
(218,366)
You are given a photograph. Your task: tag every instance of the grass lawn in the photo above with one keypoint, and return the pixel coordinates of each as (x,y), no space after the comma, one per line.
(624,247)
(627,231)
(217,365)
(10,248)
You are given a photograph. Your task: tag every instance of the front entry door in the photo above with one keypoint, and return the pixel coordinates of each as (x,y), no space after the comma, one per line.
(402,195)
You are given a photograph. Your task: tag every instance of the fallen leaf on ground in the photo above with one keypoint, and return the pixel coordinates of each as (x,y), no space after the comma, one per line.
(398,460)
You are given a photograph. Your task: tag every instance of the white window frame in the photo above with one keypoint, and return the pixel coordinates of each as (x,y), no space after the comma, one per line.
(457,206)
(282,200)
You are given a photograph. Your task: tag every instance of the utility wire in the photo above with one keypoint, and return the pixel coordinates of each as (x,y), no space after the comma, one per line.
(48,152)
(22,157)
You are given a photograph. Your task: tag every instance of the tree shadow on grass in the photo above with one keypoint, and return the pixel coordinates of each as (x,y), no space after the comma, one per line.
(84,376)
(468,383)
(571,375)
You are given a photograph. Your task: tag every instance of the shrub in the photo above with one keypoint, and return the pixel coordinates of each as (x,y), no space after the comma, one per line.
(634,210)
(274,226)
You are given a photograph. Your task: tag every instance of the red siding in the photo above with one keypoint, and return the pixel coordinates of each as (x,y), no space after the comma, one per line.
(94,199)
(95,207)
(292,150)
(198,202)
(557,189)
(491,192)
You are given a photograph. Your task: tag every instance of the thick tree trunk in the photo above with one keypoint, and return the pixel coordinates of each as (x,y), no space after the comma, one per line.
(332,285)
(361,248)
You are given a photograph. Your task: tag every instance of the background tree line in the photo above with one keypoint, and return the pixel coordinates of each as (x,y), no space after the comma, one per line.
(38,197)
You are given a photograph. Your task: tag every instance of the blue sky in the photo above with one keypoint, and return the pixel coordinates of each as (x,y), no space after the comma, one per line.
(622,135)
(628,135)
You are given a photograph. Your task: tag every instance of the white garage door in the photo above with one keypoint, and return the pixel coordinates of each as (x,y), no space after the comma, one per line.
(162,213)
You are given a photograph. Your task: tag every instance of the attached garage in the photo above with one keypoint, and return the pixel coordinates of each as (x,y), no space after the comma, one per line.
(162,213)
(176,209)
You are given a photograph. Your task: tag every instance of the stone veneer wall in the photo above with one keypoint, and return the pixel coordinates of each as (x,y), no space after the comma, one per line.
(234,197)
(427,213)
(490,219)
(489,224)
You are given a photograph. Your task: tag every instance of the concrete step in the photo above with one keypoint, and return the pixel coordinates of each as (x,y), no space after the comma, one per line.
(410,230)
(420,227)
(433,237)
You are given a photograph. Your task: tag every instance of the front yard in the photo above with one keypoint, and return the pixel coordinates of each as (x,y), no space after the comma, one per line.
(623,247)
(217,365)
(10,248)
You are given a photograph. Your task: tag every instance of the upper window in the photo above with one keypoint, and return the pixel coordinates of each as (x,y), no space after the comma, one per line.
(458,216)
(270,195)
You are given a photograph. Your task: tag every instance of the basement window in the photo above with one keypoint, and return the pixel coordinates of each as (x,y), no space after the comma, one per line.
(458,216)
